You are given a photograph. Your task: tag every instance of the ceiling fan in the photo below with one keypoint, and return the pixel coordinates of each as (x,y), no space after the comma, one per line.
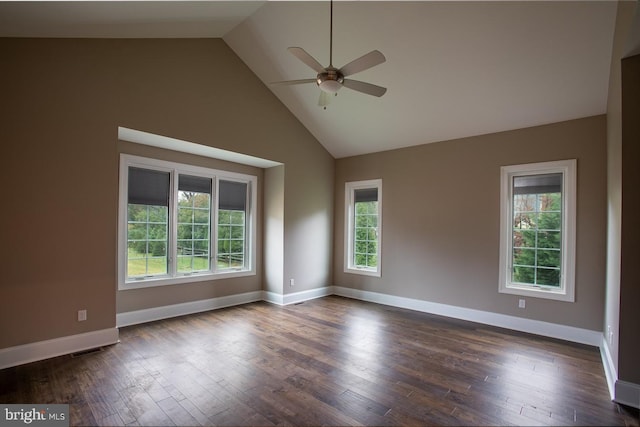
(330,79)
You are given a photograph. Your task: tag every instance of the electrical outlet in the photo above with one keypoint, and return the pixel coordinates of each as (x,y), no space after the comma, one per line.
(522,303)
(82,315)
(610,335)
(292,282)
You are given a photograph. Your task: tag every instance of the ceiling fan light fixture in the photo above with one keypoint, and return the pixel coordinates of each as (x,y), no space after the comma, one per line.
(331,79)
(329,85)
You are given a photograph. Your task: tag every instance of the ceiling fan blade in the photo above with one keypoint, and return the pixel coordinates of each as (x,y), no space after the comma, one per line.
(303,56)
(324,99)
(365,62)
(293,82)
(363,87)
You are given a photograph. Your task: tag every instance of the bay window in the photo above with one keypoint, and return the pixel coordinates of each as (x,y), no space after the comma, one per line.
(180,223)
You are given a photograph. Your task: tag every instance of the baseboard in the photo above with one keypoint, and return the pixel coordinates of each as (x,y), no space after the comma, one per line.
(627,394)
(32,352)
(622,392)
(273,297)
(129,318)
(296,297)
(552,330)
(609,367)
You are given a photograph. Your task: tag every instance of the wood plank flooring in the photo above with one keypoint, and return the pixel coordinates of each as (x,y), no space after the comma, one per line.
(330,361)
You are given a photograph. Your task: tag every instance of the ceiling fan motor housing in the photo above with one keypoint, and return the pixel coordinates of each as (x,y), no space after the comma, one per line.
(330,80)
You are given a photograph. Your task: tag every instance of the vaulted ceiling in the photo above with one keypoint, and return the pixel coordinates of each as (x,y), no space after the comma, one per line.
(453,69)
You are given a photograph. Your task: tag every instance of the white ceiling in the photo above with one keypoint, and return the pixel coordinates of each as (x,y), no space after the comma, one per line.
(454,69)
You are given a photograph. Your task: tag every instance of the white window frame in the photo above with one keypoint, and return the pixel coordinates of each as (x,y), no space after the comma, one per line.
(566,291)
(173,277)
(349,203)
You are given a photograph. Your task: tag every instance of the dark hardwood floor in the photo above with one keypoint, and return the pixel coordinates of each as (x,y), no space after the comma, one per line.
(330,361)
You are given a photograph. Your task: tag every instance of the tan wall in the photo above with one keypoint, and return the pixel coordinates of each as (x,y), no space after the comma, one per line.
(440,239)
(62,102)
(274,229)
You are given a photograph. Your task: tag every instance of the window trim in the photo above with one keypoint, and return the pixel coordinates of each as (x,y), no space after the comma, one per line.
(349,203)
(172,277)
(567,277)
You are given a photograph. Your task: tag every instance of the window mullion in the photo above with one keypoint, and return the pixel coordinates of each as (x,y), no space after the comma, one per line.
(213,236)
(172,247)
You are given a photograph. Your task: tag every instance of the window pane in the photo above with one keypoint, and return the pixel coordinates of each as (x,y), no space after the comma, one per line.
(156,265)
(237,231)
(548,277)
(372,261)
(361,234)
(524,203)
(550,202)
(365,229)
(224,217)
(224,261)
(232,219)
(185,231)
(158,231)
(524,238)
(185,214)
(524,275)
(224,232)
(147,240)
(549,258)
(361,247)
(526,257)
(201,216)
(231,239)
(549,221)
(194,218)
(537,229)
(237,218)
(137,231)
(524,220)
(549,239)
(201,232)
(200,263)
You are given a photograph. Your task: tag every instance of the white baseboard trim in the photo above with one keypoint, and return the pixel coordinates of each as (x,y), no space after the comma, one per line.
(297,297)
(552,330)
(32,352)
(129,318)
(627,393)
(273,297)
(609,367)
(622,392)
(302,296)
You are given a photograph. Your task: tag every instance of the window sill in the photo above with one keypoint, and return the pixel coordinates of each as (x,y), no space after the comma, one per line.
(362,271)
(537,292)
(191,278)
